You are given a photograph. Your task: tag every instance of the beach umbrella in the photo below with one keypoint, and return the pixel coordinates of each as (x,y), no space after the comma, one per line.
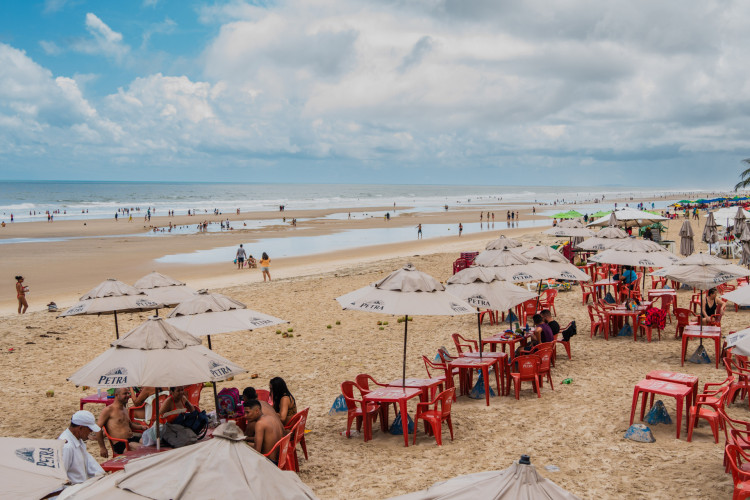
(31,468)
(728,215)
(629,217)
(739,221)
(559,267)
(155,354)
(601,213)
(569,232)
(519,481)
(481,288)
(740,296)
(405,292)
(110,297)
(604,239)
(636,253)
(687,246)
(213,314)
(223,467)
(745,239)
(164,289)
(570,214)
(710,233)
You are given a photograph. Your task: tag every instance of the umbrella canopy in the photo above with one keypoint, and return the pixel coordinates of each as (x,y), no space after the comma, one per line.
(164,289)
(687,246)
(31,468)
(601,213)
(702,271)
(710,233)
(570,214)
(569,232)
(653,258)
(155,354)
(739,221)
(604,239)
(519,481)
(503,243)
(156,280)
(560,267)
(479,287)
(198,471)
(727,215)
(629,217)
(740,296)
(745,239)
(211,314)
(742,345)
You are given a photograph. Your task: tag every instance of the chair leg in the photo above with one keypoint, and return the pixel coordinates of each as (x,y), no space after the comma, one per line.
(691,423)
(437,430)
(549,378)
(304,447)
(537,385)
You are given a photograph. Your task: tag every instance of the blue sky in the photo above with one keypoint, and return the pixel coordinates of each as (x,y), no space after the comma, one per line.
(417,91)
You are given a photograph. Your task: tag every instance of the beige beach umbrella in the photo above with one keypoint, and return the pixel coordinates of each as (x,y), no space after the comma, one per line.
(480,287)
(687,246)
(31,468)
(745,240)
(503,243)
(110,297)
(727,216)
(560,267)
(702,271)
(603,239)
(710,232)
(739,221)
(569,232)
(740,296)
(405,292)
(628,217)
(519,481)
(164,289)
(223,467)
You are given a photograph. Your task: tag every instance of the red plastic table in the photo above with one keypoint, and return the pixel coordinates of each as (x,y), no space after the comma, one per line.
(465,363)
(428,386)
(391,395)
(682,393)
(96,399)
(707,332)
(676,378)
(503,365)
(119,462)
(621,313)
(601,285)
(500,339)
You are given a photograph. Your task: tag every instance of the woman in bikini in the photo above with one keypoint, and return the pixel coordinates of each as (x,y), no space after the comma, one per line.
(177,400)
(21,295)
(714,304)
(283,401)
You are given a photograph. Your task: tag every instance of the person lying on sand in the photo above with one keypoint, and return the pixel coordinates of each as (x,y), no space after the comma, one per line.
(115,419)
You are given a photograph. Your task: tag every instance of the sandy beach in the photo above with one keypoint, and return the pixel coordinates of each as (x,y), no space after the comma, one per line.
(578,427)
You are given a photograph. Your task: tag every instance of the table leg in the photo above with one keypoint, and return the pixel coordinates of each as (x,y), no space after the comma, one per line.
(679,415)
(404,421)
(636,393)
(485,373)
(643,404)
(717,341)
(684,348)
(498,375)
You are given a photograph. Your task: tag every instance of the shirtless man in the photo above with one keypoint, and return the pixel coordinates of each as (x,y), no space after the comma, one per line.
(268,430)
(115,419)
(248,395)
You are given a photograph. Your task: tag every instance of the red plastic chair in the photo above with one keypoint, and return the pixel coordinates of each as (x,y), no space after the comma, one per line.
(264,395)
(530,308)
(296,427)
(285,461)
(714,320)
(545,354)
(684,319)
(112,442)
(463,343)
(363,381)
(706,407)
(491,314)
(598,324)
(163,395)
(548,302)
(564,343)
(370,410)
(528,371)
(741,377)
(447,375)
(435,413)
(695,302)
(193,393)
(735,432)
(647,330)
(736,458)
(587,290)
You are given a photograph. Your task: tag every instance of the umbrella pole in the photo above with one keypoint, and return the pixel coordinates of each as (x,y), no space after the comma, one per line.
(479,327)
(117,331)
(158,439)
(403,373)
(216,394)
(539,294)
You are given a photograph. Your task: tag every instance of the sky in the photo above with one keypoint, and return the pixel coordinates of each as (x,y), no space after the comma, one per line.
(491,92)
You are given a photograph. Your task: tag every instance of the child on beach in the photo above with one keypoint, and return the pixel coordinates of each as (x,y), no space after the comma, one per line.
(265,263)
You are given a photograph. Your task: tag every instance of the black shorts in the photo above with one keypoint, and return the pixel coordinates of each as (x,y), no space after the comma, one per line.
(119,447)
(240,259)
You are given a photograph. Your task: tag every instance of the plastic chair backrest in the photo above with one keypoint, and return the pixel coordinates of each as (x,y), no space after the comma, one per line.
(445,399)
(347,389)
(592,313)
(283,446)
(528,366)
(193,393)
(462,343)
(429,364)
(264,395)
(363,381)
(733,454)
(551,294)
(682,315)
(298,429)
(545,356)
(529,307)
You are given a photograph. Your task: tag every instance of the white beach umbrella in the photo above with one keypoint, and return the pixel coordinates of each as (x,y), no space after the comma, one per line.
(726,216)
(110,297)
(687,246)
(519,481)
(164,289)
(629,217)
(560,267)
(740,296)
(31,468)
(223,467)
(702,271)
(603,239)
(405,292)
(569,232)
(710,233)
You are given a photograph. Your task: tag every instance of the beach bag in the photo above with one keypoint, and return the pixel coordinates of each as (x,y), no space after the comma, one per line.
(625,330)
(396,426)
(148,438)
(569,331)
(177,436)
(609,299)
(229,402)
(196,421)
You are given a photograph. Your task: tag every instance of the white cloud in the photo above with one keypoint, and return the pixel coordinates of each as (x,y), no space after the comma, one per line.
(50,48)
(104,40)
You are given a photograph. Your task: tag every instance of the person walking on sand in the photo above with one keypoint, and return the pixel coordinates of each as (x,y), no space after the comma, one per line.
(240,257)
(265,264)
(419,231)
(460,229)
(21,295)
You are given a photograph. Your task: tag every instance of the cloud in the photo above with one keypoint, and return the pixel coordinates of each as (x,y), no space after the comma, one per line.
(165,27)
(150,3)
(51,6)
(103,41)
(50,48)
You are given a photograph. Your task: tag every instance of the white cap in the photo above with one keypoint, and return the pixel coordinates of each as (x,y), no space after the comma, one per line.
(86,418)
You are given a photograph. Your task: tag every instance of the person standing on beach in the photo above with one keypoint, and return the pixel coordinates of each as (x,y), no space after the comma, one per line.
(265,264)
(240,257)
(419,231)
(460,229)
(21,295)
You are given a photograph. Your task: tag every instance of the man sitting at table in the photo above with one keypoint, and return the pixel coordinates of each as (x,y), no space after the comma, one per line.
(268,430)
(248,395)
(627,278)
(115,419)
(79,463)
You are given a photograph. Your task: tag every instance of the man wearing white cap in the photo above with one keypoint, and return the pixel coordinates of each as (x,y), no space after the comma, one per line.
(78,461)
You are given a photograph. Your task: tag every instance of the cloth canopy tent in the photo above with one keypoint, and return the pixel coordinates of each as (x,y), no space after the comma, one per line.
(406,292)
(110,297)
(31,468)
(687,246)
(164,289)
(223,467)
(629,217)
(519,481)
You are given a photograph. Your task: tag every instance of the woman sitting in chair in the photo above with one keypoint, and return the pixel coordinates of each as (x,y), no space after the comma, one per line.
(714,304)
(176,403)
(283,401)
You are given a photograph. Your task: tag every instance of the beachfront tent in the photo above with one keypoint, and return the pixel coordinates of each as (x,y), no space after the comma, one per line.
(481,288)
(519,481)
(110,297)
(629,217)
(163,289)
(605,238)
(710,233)
(223,467)
(31,468)
(405,292)
(687,246)
(726,216)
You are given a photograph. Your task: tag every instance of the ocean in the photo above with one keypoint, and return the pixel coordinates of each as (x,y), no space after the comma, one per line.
(30,200)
